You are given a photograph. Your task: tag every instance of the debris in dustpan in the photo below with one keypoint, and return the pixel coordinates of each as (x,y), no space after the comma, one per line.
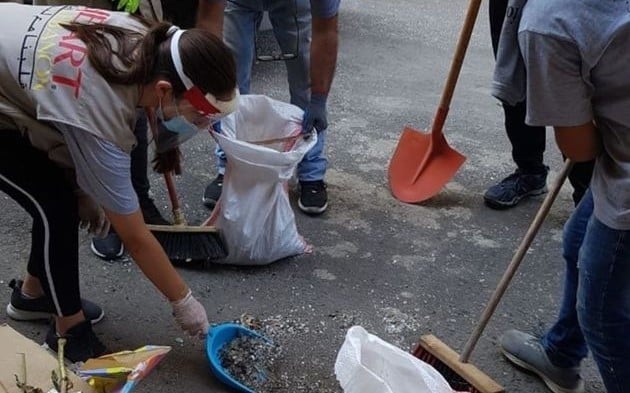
(251,360)
(280,370)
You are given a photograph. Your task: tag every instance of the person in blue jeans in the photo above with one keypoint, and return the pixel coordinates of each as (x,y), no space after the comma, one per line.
(310,68)
(576,55)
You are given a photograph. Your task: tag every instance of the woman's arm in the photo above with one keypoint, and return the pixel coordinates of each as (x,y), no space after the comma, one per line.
(148,254)
(104,172)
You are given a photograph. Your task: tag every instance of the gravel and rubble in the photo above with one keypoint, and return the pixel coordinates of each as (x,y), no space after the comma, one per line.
(262,365)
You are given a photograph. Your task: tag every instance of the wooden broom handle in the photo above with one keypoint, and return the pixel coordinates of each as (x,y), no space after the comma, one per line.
(516,261)
(456,65)
(178,218)
(172,191)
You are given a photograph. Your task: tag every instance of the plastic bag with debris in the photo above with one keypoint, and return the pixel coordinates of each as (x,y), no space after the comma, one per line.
(367,364)
(263,144)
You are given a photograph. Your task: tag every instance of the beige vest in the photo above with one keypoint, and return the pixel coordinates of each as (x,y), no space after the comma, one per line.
(150,9)
(46,77)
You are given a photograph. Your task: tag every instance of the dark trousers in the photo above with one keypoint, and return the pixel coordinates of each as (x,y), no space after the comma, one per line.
(139,157)
(41,188)
(528,143)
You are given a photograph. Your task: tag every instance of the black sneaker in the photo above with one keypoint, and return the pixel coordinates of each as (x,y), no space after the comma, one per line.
(81,342)
(21,308)
(108,248)
(213,192)
(151,213)
(511,190)
(313,197)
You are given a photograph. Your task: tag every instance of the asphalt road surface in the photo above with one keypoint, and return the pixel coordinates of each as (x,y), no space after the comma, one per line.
(398,270)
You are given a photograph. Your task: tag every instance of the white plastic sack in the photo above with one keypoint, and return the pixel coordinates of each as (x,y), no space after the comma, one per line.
(367,364)
(254,213)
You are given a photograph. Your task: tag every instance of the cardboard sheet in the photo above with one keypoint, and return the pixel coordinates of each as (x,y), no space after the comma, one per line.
(39,364)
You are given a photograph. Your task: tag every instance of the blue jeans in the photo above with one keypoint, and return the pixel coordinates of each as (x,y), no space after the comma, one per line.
(242,19)
(595,310)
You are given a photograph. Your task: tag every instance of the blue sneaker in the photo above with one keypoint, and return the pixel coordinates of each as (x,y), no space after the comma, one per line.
(511,190)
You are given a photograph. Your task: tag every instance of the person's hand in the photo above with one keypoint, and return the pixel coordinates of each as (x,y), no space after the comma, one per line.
(191,316)
(130,6)
(92,216)
(315,115)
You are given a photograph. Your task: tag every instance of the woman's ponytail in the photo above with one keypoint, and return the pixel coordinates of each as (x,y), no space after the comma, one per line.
(120,55)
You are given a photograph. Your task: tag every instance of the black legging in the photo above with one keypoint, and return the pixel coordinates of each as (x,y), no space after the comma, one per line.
(42,189)
(528,143)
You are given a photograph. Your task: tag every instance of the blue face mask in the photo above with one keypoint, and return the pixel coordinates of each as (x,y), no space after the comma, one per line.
(178,124)
(173,132)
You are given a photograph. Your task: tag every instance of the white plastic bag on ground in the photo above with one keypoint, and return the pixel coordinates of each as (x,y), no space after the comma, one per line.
(254,213)
(367,364)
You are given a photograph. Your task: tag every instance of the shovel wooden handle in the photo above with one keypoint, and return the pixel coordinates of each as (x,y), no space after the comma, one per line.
(456,65)
(542,213)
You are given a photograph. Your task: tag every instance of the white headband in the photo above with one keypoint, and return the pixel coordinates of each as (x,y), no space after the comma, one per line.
(171,30)
(177,60)
(222,106)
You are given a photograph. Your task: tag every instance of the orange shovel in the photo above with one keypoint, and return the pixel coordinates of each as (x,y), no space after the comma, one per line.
(424,162)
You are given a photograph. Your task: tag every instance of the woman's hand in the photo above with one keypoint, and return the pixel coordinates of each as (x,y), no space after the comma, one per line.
(191,316)
(92,216)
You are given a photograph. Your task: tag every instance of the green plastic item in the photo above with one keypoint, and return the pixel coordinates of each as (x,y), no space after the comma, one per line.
(130,6)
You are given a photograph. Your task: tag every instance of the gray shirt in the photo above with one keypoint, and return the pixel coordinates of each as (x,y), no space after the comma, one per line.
(577,56)
(103,170)
(508,81)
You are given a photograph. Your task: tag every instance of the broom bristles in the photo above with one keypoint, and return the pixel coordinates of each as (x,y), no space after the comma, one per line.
(185,245)
(462,377)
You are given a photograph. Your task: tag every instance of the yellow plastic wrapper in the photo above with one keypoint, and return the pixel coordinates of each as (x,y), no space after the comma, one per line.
(122,371)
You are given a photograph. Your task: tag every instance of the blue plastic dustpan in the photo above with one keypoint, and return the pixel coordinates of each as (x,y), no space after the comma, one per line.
(219,336)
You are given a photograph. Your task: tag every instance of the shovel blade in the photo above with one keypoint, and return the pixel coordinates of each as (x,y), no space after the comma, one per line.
(420,168)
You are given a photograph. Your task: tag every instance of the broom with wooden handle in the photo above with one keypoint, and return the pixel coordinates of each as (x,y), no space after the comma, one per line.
(185,243)
(460,374)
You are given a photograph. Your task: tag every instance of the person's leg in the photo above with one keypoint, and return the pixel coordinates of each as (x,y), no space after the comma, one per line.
(580,178)
(564,342)
(139,176)
(42,189)
(291,21)
(239,26)
(603,301)
(556,357)
(38,186)
(496,15)
(292,24)
(528,143)
(140,157)
(287,17)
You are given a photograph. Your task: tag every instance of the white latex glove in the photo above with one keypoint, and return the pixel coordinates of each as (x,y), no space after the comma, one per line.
(92,216)
(191,316)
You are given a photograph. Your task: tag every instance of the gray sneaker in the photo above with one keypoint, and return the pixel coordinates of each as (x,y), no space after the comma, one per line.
(527,352)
